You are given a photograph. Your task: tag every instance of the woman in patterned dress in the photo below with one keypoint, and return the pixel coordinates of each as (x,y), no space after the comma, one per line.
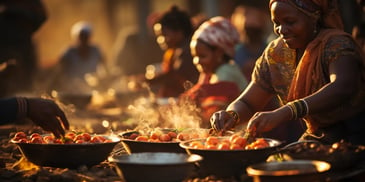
(314,68)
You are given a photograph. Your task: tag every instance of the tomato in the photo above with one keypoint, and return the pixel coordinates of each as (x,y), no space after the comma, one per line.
(79,141)
(58,140)
(36,139)
(86,136)
(35,135)
(232,137)
(183,136)
(97,139)
(48,139)
(239,141)
(211,147)
(236,147)
(154,135)
(79,137)
(165,137)
(20,134)
(212,140)
(70,135)
(223,146)
(196,145)
(172,134)
(142,138)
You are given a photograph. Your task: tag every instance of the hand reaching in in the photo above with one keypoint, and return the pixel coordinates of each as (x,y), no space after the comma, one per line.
(48,115)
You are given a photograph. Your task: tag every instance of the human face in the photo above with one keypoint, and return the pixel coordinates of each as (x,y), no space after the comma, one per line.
(295,27)
(205,58)
(168,38)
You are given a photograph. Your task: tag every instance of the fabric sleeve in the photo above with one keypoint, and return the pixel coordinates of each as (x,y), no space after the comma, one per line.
(337,47)
(8,110)
(261,74)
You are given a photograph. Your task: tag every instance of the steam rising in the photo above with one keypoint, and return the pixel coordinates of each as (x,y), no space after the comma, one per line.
(178,114)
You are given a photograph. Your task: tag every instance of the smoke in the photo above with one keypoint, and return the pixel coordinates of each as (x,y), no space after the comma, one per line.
(164,113)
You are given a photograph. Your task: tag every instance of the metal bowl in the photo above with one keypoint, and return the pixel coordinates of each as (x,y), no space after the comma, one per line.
(155,166)
(133,146)
(288,171)
(229,163)
(67,155)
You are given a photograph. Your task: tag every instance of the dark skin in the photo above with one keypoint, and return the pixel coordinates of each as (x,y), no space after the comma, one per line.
(207,58)
(297,30)
(46,114)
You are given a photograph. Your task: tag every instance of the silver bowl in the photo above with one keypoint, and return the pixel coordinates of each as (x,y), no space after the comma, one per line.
(155,166)
(288,171)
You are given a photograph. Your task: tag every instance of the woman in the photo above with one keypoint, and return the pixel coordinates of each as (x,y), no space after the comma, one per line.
(173,31)
(314,67)
(221,80)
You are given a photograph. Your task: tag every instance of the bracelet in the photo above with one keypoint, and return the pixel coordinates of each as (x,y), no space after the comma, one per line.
(235,116)
(299,108)
(305,105)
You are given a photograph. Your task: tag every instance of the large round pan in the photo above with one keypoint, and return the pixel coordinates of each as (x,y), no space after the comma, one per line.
(229,163)
(67,155)
(133,146)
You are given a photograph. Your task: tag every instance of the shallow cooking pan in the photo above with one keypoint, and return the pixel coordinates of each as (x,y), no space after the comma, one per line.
(133,146)
(229,163)
(68,155)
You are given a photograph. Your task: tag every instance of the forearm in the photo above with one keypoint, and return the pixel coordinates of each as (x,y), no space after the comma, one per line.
(11,109)
(243,109)
(327,98)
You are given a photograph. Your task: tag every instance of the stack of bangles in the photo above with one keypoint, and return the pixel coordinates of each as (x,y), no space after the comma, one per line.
(299,108)
(235,117)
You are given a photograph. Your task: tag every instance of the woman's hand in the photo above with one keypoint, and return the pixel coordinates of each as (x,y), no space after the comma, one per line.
(48,115)
(266,121)
(222,121)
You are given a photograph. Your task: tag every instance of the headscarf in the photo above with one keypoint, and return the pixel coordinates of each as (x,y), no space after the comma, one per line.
(324,10)
(78,27)
(218,32)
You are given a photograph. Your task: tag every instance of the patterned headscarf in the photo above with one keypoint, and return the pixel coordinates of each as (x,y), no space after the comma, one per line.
(218,32)
(324,10)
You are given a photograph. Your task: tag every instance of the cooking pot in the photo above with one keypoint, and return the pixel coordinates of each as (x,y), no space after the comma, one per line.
(155,166)
(133,146)
(229,163)
(289,171)
(67,155)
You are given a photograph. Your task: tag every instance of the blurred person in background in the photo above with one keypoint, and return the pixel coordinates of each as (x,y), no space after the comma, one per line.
(19,20)
(42,112)
(138,50)
(251,18)
(80,62)
(173,31)
(220,80)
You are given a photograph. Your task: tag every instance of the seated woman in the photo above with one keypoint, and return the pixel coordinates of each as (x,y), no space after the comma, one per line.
(220,80)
